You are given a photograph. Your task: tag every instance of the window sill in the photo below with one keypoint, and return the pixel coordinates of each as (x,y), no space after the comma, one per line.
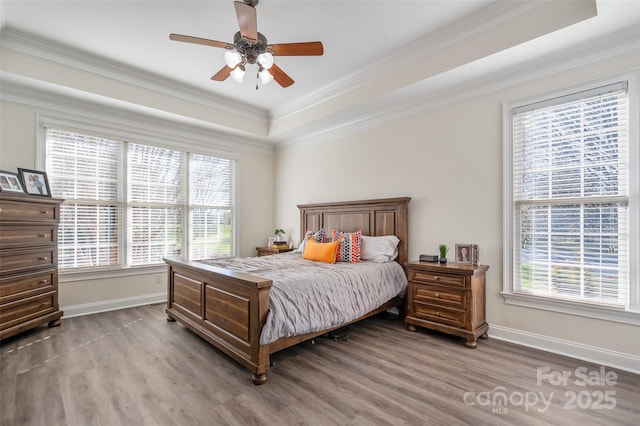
(87,275)
(574,308)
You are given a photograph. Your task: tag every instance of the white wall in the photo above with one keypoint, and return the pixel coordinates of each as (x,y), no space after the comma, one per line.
(449,161)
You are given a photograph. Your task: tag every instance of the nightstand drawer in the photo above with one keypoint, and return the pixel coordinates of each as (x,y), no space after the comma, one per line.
(435,278)
(438,314)
(439,296)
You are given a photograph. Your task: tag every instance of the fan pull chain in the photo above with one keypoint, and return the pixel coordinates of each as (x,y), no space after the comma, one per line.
(257,79)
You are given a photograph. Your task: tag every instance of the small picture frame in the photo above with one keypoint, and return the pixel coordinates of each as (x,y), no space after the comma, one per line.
(464,253)
(10,182)
(35,182)
(475,253)
(271,241)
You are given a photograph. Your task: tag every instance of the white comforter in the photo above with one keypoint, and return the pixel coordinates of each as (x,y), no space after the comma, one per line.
(308,296)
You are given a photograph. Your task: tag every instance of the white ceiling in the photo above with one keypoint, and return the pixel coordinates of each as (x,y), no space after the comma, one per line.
(354,34)
(359,36)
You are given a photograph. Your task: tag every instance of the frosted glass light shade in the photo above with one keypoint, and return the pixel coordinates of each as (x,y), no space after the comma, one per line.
(265,77)
(238,74)
(265,60)
(232,58)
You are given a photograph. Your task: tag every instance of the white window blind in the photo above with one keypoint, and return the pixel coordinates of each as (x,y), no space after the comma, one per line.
(156,193)
(127,204)
(86,172)
(212,195)
(570,193)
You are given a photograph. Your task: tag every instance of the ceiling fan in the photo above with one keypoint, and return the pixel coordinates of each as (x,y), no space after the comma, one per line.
(251,47)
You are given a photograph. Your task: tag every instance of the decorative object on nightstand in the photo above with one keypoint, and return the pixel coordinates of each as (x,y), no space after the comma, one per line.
(28,262)
(279,234)
(443,253)
(429,258)
(467,253)
(266,251)
(449,298)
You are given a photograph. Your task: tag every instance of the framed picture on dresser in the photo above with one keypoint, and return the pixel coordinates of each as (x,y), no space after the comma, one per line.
(35,182)
(463,253)
(10,182)
(467,253)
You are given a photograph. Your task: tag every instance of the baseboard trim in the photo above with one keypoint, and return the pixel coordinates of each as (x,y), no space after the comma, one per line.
(622,361)
(112,305)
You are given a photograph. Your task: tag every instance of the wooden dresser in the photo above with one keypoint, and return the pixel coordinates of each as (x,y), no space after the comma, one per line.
(28,262)
(449,298)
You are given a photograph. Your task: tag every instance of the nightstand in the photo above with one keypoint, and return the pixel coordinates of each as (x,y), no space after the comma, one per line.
(266,251)
(448,297)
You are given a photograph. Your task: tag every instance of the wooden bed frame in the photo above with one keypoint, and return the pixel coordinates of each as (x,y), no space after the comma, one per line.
(229,309)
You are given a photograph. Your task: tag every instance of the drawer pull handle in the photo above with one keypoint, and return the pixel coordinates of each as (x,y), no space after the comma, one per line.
(43,258)
(44,281)
(44,211)
(436,278)
(437,294)
(437,314)
(42,235)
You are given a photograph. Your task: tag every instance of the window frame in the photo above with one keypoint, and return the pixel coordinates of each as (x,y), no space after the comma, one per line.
(190,142)
(630,315)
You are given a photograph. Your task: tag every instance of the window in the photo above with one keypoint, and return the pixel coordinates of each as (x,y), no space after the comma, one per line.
(568,219)
(130,204)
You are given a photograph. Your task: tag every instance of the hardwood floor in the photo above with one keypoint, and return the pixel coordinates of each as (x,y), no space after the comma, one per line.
(122,368)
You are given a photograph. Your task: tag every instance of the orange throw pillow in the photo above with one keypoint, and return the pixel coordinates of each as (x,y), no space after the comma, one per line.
(320,252)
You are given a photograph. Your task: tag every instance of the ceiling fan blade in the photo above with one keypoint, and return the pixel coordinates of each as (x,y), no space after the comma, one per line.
(223,74)
(247,21)
(280,76)
(198,40)
(310,48)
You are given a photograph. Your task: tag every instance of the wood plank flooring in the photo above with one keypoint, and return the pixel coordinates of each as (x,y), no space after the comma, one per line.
(132,367)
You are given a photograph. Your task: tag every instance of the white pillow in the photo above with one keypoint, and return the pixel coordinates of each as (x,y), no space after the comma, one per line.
(319,236)
(379,249)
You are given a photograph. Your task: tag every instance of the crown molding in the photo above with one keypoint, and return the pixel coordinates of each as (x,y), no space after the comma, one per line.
(136,119)
(31,45)
(444,90)
(483,21)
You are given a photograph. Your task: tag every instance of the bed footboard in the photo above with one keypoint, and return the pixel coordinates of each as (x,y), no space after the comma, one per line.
(226,308)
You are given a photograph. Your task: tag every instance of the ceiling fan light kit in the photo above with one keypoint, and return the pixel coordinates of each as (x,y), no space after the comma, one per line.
(232,58)
(265,60)
(265,76)
(251,47)
(238,74)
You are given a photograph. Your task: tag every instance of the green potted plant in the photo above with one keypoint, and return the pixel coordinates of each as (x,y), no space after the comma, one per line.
(279,234)
(443,253)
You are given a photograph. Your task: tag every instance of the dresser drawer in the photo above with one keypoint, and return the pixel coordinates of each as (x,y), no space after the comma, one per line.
(24,260)
(439,296)
(440,315)
(27,309)
(436,278)
(26,285)
(27,236)
(28,211)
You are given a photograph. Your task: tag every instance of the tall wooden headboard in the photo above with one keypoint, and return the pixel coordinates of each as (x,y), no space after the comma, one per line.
(387,216)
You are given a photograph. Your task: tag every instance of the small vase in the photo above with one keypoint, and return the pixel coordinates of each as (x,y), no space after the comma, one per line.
(443,260)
